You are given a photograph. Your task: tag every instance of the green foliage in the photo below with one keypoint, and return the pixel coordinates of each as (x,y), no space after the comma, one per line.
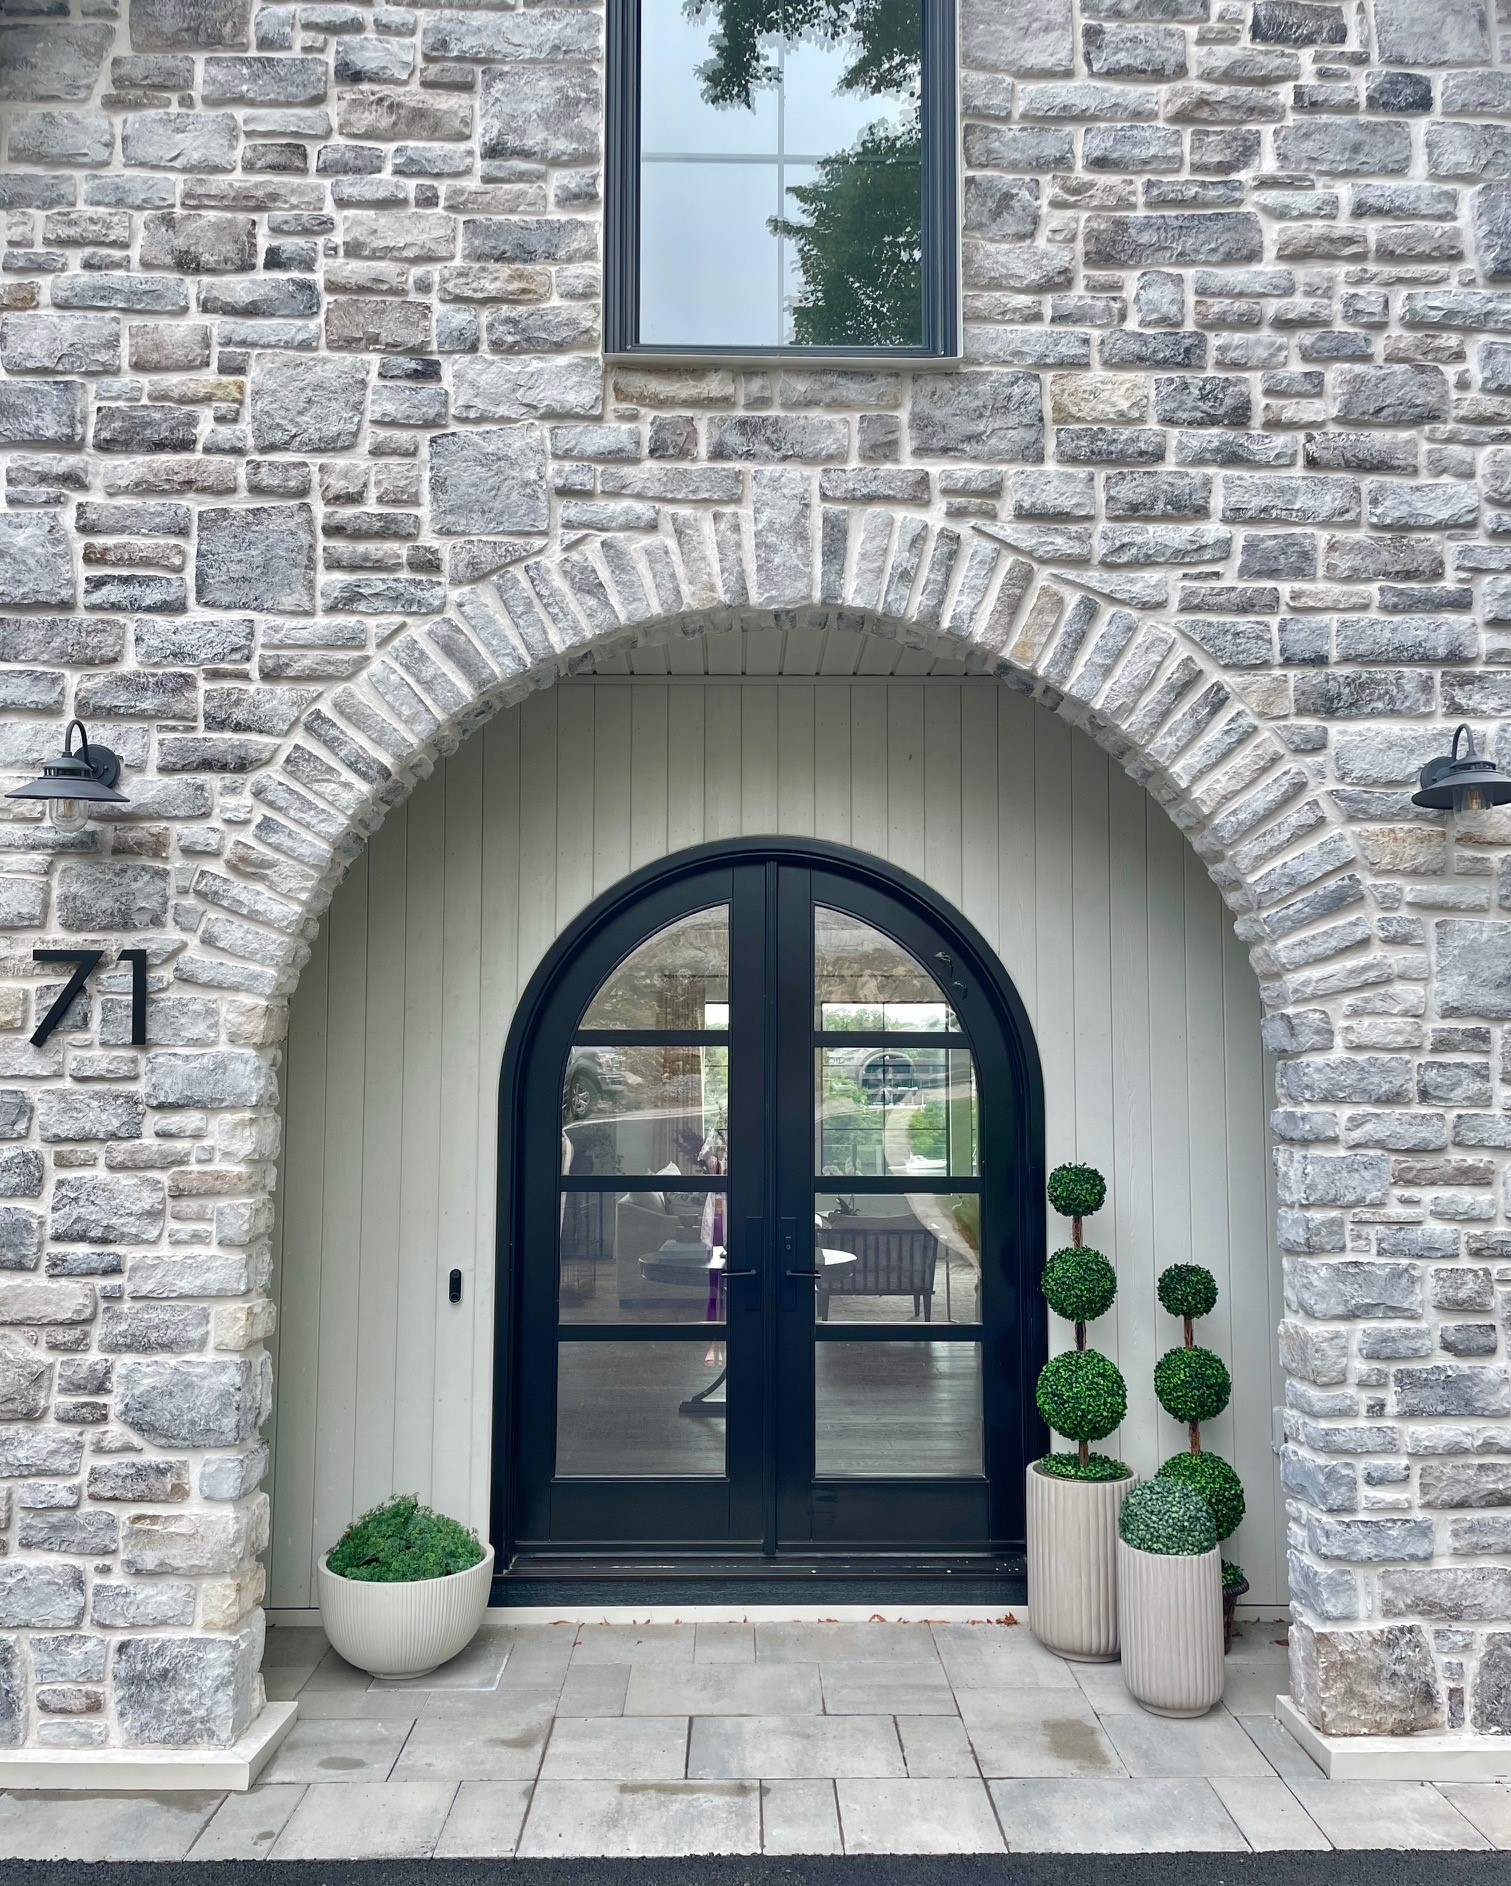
(859,244)
(1187,1290)
(1072,1467)
(926,1132)
(401,1541)
(882,35)
(1232,1576)
(1079,1284)
(1217,1483)
(1076,1191)
(1081,1395)
(1192,1384)
(1163,1516)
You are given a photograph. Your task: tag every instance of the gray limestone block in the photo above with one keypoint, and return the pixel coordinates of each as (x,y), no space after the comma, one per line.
(987,414)
(185,1692)
(1382,1681)
(1297,23)
(1190,239)
(1126,50)
(1332,1486)
(539,33)
(152,1329)
(1479,1594)
(1035,38)
(569,387)
(1491,1711)
(36,560)
(1449,1388)
(193,244)
(1003,208)
(25,1378)
(70,1658)
(1433,32)
(256,79)
(1371,1541)
(48,412)
(1350,1288)
(1319,1356)
(63,1113)
(1472,968)
(40,1597)
(542,114)
(1469,1339)
(61,137)
(155,1481)
(190,1403)
(20,1238)
(89,1535)
(259,556)
(782,530)
(189,25)
(13,1714)
(229,1077)
(1463,1287)
(121,1606)
(1374,1078)
(26,1453)
(116,1209)
(368,59)
(233,1476)
(306,405)
(487,479)
(180,140)
(192,1543)
(100,895)
(1464,1483)
(1390,396)
(60,59)
(1331,1178)
(1492,230)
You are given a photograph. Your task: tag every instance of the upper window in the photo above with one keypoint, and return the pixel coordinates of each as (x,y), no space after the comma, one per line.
(782,177)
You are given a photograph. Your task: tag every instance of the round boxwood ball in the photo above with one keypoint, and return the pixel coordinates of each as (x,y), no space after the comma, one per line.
(1163,1516)
(1079,1284)
(1076,1191)
(1081,1395)
(1187,1290)
(1192,1384)
(1211,1477)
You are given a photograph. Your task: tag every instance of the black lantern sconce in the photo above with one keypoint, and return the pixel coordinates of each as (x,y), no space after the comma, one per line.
(74,783)
(1459,783)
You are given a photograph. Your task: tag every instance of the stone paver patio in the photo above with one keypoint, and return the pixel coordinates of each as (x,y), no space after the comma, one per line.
(788,1738)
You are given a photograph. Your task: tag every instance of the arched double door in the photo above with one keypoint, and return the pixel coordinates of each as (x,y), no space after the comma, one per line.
(774,1225)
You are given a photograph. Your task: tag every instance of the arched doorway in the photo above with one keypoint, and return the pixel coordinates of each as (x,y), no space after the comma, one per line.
(770,1219)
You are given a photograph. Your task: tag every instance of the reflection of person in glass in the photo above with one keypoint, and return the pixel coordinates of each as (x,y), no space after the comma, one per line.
(713,1159)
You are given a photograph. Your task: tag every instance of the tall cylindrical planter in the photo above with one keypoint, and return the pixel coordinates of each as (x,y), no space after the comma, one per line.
(1072,1563)
(407,1628)
(1170,1617)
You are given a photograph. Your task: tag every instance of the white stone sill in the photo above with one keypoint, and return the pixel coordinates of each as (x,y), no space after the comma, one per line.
(792,363)
(1433,1757)
(158,1770)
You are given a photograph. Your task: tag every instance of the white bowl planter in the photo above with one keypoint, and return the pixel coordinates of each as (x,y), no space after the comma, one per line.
(407,1628)
(1170,1617)
(1072,1563)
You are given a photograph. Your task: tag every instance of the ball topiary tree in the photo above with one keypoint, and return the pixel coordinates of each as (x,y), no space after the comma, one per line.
(1193,1385)
(1080,1393)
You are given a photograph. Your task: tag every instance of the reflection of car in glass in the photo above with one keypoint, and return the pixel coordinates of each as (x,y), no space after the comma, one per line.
(594,1076)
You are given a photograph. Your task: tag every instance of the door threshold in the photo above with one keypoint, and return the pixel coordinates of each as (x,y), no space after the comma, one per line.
(735,1583)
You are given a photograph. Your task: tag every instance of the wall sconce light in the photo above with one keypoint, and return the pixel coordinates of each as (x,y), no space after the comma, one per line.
(74,783)
(1462,783)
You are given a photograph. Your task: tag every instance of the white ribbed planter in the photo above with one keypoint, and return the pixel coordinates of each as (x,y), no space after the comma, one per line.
(403,1629)
(1170,1615)
(1072,1563)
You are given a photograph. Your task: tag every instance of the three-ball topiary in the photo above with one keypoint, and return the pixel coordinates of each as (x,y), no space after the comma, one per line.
(1193,1385)
(1080,1394)
(1163,1516)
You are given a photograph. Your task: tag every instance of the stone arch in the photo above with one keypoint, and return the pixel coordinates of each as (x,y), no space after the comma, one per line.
(1271,839)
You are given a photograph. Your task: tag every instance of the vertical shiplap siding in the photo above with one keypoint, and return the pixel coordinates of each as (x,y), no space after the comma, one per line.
(1145,1008)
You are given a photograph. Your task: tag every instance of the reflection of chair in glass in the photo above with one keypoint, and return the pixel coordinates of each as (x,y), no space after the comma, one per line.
(895,1257)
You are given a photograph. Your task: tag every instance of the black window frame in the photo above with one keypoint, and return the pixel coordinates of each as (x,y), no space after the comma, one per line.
(940,218)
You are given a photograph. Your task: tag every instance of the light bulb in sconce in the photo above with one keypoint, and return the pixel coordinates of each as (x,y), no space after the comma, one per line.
(73,784)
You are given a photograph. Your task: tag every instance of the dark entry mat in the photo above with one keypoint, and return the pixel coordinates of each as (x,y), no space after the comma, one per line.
(1029,1869)
(569,1593)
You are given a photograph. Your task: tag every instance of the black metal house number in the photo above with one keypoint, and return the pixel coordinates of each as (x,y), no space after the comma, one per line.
(86,963)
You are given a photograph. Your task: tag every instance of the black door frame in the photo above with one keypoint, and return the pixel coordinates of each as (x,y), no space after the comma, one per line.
(978,962)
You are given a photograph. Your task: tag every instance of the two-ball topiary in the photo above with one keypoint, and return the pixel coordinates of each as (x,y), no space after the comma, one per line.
(1165,1517)
(1079,1284)
(1192,1384)
(1080,1394)
(1211,1477)
(401,1541)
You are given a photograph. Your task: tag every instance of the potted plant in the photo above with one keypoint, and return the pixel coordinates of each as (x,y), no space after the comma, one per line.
(1170,1599)
(1194,1385)
(1073,1499)
(404,1589)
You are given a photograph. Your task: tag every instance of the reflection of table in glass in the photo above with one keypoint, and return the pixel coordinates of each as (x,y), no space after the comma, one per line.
(677,1263)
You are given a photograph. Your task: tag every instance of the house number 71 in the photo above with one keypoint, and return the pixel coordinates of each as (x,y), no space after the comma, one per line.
(86,963)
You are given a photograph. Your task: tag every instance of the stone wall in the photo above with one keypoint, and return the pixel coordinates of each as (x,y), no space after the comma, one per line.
(311,464)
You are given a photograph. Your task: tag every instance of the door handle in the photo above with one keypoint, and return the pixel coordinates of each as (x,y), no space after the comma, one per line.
(739,1273)
(809,1274)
